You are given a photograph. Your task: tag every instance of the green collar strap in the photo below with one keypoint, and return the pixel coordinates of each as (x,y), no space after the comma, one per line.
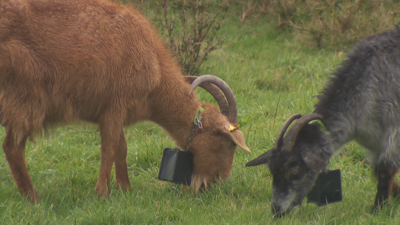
(197,123)
(197,120)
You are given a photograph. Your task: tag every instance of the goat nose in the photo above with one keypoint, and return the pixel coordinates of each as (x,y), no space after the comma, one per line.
(277,211)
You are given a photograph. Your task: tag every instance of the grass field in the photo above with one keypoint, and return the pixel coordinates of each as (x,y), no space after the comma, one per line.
(272,77)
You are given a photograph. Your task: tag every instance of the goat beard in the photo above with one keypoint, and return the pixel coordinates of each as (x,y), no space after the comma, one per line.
(201,183)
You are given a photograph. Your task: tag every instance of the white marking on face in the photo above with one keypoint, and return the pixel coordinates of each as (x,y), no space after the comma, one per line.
(284,202)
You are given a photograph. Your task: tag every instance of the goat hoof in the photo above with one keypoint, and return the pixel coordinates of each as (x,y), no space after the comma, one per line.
(102,193)
(377,208)
(124,187)
(33,197)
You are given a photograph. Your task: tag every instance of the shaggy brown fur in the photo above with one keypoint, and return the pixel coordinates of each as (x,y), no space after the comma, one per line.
(93,60)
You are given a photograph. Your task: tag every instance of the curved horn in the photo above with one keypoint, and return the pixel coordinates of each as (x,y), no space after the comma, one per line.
(279,138)
(224,88)
(291,135)
(215,92)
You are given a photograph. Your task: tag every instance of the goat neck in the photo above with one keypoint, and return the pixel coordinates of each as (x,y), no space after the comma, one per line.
(174,110)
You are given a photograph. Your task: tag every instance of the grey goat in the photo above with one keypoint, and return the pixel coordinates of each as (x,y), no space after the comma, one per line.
(361,102)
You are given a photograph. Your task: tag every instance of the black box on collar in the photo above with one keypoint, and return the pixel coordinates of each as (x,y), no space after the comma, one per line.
(327,188)
(176,166)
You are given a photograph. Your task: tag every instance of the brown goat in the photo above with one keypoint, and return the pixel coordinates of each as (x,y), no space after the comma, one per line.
(62,61)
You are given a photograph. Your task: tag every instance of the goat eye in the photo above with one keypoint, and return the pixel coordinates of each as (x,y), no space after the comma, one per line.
(294,168)
(294,171)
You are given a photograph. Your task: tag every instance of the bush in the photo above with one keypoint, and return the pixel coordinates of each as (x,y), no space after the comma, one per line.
(189,27)
(192,35)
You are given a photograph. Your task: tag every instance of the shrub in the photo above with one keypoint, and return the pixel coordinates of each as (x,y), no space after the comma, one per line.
(189,27)
(192,34)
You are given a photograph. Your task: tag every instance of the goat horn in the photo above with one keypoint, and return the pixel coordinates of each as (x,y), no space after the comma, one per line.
(215,92)
(291,135)
(227,91)
(279,138)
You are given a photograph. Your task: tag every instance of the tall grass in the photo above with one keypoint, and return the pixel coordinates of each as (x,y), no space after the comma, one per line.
(273,77)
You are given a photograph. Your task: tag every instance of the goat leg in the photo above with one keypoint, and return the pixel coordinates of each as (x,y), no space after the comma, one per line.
(121,169)
(386,182)
(15,155)
(395,190)
(109,144)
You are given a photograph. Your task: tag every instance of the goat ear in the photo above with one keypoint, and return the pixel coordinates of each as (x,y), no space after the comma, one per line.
(262,159)
(313,161)
(236,136)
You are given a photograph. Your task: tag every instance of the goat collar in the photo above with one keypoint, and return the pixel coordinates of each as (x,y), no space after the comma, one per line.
(197,122)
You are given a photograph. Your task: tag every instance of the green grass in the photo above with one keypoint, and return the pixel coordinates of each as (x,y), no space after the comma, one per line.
(273,77)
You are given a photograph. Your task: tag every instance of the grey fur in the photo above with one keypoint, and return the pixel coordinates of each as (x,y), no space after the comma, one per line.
(361,102)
